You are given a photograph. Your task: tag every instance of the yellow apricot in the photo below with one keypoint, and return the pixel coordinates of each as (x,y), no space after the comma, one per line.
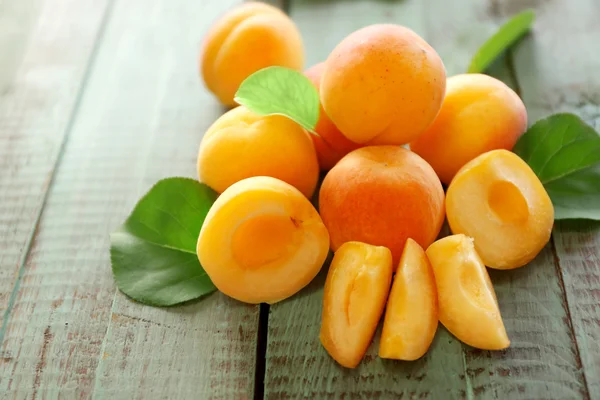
(250,37)
(242,144)
(499,201)
(479,114)
(411,316)
(356,289)
(468,307)
(262,241)
(383,84)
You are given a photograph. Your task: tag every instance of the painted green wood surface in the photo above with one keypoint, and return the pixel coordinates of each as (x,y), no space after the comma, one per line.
(69,334)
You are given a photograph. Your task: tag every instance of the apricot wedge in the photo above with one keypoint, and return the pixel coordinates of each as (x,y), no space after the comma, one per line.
(262,241)
(468,307)
(356,289)
(411,316)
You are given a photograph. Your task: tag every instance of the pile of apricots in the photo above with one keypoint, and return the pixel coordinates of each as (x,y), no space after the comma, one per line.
(382,89)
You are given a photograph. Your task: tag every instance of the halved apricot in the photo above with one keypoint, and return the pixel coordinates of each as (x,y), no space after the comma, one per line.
(356,289)
(411,316)
(262,241)
(468,307)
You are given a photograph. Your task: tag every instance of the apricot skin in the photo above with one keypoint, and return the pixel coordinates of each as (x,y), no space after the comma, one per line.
(355,292)
(331,145)
(499,201)
(411,316)
(241,144)
(479,114)
(383,84)
(468,307)
(382,195)
(248,38)
(262,241)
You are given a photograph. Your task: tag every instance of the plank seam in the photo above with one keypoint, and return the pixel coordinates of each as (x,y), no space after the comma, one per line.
(561,282)
(61,151)
(261,351)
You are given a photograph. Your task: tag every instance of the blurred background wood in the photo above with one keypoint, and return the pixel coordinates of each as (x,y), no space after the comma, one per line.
(99,99)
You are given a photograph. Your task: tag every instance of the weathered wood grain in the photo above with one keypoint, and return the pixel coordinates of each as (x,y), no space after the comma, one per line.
(557,70)
(543,361)
(45,48)
(69,333)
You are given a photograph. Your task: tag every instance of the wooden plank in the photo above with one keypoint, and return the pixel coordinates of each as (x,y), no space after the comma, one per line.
(557,71)
(45,48)
(542,361)
(70,334)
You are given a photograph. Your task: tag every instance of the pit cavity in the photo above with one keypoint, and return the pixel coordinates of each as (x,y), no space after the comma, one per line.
(507,202)
(263,239)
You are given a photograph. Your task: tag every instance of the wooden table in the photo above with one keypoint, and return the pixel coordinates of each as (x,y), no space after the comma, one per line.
(101,98)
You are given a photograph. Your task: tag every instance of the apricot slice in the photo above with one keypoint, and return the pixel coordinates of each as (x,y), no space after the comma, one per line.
(262,241)
(499,201)
(356,289)
(411,316)
(468,307)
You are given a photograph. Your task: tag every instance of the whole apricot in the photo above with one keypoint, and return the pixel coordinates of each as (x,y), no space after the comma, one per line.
(479,114)
(241,144)
(411,314)
(262,241)
(499,201)
(331,145)
(355,292)
(468,306)
(382,195)
(383,84)
(250,37)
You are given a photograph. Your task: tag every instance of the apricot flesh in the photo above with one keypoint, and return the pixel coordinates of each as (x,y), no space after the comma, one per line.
(331,145)
(479,114)
(250,37)
(383,84)
(468,307)
(499,201)
(382,195)
(411,316)
(242,144)
(355,292)
(262,241)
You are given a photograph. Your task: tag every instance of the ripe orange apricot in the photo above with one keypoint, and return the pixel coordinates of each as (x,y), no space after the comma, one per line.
(383,84)
(331,145)
(411,316)
(468,307)
(248,38)
(356,289)
(382,195)
(241,144)
(262,241)
(479,114)
(499,201)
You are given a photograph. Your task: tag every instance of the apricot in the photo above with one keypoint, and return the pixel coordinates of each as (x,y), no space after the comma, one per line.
(499,201)
(383,84)
(241,144)
(356,289)
(331,145)
(411,316)
(468,307)
(250,37)
(479,114)
(262,241)
(382,195)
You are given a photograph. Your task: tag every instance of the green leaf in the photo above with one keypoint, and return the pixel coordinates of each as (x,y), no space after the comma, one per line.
(153,254)
(506,36)
(281,91)
(564,152)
